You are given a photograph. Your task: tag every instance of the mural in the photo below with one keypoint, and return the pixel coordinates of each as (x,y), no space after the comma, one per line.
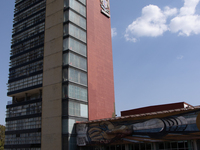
(155,129)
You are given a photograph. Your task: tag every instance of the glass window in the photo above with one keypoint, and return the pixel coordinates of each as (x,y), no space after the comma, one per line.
(76,92)
(65,29)
(84,110)
(65,126)
(65,59)
(77,76)
(74,109)
(77,19)
(65,44)
(65,108)
(77,7)
(65,75)
(83,1)
(77,109)
(71,125)
(66,16)
(65,91)
(75,32)
(77,61)
(66,3)
(74,45)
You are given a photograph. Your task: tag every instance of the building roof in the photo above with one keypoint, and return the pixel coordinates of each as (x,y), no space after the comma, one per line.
(156,114)
(155,108)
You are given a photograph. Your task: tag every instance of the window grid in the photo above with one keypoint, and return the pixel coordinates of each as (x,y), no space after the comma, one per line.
(24,83)
(24,5)
(39,52)
(74,45)
(28,45)
(30,11)
(23,124)
(26,70)
(28,109)
(29,22)
(28,33)
(23,138)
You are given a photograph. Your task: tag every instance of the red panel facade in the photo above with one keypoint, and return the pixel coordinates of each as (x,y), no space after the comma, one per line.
(100,63)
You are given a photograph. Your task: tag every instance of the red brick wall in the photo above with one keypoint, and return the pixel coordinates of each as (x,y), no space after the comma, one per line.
(100,63)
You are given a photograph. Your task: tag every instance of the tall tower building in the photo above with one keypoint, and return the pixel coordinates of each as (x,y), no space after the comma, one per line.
(61,72)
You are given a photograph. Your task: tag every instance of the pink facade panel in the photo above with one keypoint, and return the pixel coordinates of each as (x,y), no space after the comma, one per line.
(100,63)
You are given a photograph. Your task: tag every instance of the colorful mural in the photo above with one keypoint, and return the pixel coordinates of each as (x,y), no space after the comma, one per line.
(154,129)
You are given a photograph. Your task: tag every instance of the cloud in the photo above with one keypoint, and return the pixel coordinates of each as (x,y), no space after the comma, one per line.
(154,21)
(186,22)
(113,32)
(180,57)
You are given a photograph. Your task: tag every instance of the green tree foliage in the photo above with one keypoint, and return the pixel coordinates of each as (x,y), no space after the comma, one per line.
(2,137)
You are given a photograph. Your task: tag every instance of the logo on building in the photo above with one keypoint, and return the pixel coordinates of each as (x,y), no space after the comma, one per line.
(105,5)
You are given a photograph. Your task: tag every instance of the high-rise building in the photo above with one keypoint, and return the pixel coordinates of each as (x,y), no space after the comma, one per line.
(61,72)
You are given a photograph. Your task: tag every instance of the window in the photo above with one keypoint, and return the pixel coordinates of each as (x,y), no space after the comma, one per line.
(65,126)
(75,18)
(74,4)
(77,109)
(77,92)
(65,94)
(74,45)
(75,32)
(77,76)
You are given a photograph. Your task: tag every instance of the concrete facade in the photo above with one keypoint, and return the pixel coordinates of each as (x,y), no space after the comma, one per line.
(51,133)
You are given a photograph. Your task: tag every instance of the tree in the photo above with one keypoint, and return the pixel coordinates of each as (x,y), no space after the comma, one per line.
(2,137)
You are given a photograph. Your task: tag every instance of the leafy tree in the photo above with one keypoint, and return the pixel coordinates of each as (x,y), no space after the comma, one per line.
(2,137)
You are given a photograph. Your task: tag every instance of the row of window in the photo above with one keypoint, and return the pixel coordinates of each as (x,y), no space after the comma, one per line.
(26,70)
(29,22)
(23,138)
(75,109)
(23,124)
(75,75)
(74,31)
(24,5)
(75,18)
(17,1)
(28,33)
(77,6)
(75,92)
(28,45)
(22,110)
(74,45)
(34,54)
(75,61)
(24,83)
(30,11)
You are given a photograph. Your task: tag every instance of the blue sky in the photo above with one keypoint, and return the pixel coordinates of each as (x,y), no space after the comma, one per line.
(155,51)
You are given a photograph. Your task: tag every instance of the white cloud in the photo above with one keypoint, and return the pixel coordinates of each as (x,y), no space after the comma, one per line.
(186,22)
(113,32)
(180,57)
(152,23)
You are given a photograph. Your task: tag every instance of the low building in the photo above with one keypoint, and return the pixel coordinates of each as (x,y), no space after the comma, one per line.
(175,128)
